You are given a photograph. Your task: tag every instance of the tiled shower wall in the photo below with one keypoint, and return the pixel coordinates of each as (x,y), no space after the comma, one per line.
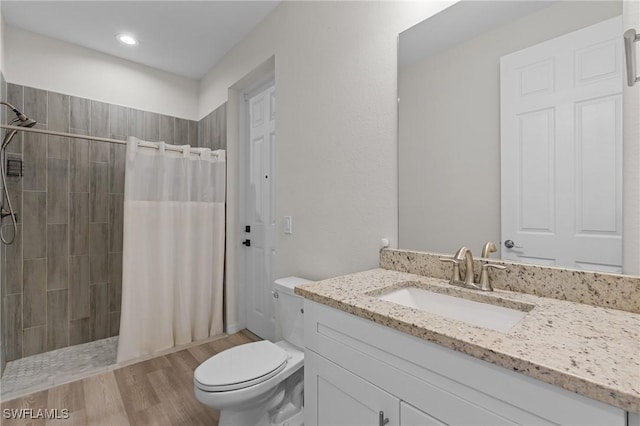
(62,277)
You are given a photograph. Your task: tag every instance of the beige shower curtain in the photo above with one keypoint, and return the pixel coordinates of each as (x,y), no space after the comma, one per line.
(173,247)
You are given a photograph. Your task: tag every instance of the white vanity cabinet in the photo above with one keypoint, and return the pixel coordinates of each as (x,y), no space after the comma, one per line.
(355,368)
(354,401)
(344,398)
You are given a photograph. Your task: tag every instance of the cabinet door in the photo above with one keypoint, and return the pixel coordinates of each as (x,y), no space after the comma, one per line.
(411,416)
(336,397)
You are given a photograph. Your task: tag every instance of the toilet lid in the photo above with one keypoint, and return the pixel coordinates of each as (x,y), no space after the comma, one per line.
(241,366)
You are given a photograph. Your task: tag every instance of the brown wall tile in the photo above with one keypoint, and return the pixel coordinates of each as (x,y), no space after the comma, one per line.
(114,324)
(99,127)
(80,114)
(193,133)
(58,147)
(57,190)
(166,129)
(79,287)
(35,104)
(116,168)
(35,293)
(58,112)
(99,193)
(34,230)
(34,340)
(57,319)
(12,325)
(135,123)
(79,331)
(79,166)
(99,249)
(35,162)
(181,132)
(79,224)
(151,126)
(99,312)
(115,281)
(57,257)
(116,221)
(118,122)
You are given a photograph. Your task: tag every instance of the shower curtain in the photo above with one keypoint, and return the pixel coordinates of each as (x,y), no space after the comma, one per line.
(173,247)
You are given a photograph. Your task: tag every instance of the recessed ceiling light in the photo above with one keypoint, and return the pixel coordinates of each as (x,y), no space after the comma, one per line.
(127,39)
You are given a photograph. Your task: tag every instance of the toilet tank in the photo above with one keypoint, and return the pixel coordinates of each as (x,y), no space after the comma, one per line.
(288,309)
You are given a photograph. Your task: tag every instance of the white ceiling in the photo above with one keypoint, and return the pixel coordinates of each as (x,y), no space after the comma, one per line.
(186,38)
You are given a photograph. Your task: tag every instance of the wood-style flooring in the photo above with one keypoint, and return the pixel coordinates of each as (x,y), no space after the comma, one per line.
(158,391)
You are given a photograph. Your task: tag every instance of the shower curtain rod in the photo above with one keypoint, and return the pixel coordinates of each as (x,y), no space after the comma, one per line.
(93,138)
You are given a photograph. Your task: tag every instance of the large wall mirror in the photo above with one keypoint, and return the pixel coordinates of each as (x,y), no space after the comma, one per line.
(516,107)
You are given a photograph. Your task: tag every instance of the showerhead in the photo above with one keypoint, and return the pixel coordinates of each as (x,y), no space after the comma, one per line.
(26,121)
(21,120)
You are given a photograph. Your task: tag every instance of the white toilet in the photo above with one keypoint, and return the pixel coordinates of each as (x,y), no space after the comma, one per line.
(260,383)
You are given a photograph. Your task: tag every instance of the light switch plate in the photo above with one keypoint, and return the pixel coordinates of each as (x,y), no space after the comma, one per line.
(288,225)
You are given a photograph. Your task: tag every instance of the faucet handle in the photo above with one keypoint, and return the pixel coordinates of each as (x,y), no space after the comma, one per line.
(485,284)
(455,275)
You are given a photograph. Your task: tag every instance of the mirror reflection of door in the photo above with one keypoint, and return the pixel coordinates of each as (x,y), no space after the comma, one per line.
(561,150)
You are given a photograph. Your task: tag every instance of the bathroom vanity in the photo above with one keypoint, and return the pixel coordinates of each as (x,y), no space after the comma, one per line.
(370,360)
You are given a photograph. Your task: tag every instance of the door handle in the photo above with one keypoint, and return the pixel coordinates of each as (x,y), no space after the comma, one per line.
(630,37)
(510,244)
(247,243)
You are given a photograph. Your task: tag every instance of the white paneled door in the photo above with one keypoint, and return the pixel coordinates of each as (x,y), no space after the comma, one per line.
(259,212)
(561,150)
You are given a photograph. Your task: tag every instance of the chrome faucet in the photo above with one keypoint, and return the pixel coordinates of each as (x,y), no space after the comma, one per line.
(465,253)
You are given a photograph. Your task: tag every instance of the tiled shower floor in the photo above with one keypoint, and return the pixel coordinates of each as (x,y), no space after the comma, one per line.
(41,371)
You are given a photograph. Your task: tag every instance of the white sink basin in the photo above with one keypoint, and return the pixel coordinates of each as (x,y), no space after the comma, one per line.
(481,314)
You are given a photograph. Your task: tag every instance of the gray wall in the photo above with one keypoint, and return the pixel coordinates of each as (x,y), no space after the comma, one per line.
(62,277)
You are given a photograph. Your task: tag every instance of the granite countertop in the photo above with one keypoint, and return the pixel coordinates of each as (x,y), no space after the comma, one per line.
(590,350)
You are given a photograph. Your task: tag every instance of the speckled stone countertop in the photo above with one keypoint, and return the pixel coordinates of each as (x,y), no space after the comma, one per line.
(590,350)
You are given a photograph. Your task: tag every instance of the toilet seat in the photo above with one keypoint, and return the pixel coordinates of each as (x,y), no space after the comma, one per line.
(240,367)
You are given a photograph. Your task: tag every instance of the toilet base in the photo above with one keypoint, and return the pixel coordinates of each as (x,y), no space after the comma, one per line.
(284,408)
(255,417)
